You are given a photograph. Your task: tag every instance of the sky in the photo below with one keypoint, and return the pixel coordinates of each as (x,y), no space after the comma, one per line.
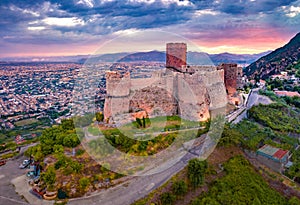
(74,27)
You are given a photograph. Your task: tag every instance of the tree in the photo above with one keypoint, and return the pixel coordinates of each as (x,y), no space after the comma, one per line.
(196,171)
(167,198)
(58,149)
(99,116)
(179,188)
(35,152)
(144,122)
(230,136)
(67,124)
(49,177)
(139,122)
(71,140)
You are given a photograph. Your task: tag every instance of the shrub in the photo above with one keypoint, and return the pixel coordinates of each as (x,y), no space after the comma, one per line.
(84,182)
(167,198)
(196,171)
(179,188)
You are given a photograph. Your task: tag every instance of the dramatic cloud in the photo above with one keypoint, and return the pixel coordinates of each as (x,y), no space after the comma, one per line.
(240,25)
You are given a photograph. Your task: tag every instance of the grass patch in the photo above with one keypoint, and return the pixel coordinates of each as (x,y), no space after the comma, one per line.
(26,122)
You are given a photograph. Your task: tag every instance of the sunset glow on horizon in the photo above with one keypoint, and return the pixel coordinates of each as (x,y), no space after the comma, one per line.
(54,28)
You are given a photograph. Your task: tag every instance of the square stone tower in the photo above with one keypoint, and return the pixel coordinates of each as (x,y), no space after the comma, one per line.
(176,56)
(230,77)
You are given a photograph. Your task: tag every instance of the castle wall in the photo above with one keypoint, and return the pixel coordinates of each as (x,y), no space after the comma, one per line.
(114,106)
(155,101)
(171,93)
(188,91)
(193,97)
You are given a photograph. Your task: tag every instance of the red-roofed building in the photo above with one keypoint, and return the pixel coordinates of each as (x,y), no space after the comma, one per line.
(273,157)
(281,155)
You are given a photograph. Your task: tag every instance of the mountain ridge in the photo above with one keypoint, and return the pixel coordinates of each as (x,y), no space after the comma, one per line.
(276,61)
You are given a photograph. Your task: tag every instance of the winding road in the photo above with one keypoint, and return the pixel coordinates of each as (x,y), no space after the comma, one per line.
(138,187)
(254,99)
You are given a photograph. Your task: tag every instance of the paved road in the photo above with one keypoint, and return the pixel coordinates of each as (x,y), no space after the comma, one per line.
(8,172)
(11,170)
(254,99)
(135,189)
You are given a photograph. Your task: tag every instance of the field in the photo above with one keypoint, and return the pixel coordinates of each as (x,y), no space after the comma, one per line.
(26,122)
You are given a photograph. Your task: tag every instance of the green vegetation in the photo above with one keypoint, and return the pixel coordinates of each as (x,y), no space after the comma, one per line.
(162,123)
(276,116)
(49,177)
(54,114)
(63,135)
(167,198)
(67,165)
(179,188)
(9,146)
(269,124)
(99,116)
(242,185)
(278,125)
(9,155)
(196,172)
(238,183)
(272,96)
(80,152)
(142,123)
(251,135)
(292,101)
(279,84)
(26,122)
(118,137)
(66,171)
(294,201)
(25,128)
(83,183)
(294,171)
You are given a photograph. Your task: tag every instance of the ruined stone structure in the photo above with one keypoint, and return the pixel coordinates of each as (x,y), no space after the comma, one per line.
(240,79)
(232,77)
(180,89)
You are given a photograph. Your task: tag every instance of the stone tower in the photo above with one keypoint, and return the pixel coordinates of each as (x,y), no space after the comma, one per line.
(117,92)
(230,77)
(176,56)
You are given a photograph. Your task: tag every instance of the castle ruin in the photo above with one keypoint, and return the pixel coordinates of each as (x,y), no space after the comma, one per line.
(180,89)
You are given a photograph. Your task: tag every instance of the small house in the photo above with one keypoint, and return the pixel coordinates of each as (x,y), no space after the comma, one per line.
(273,157)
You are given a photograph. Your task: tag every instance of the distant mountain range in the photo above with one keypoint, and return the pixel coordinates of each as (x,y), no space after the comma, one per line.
(194,58)
(277,60)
